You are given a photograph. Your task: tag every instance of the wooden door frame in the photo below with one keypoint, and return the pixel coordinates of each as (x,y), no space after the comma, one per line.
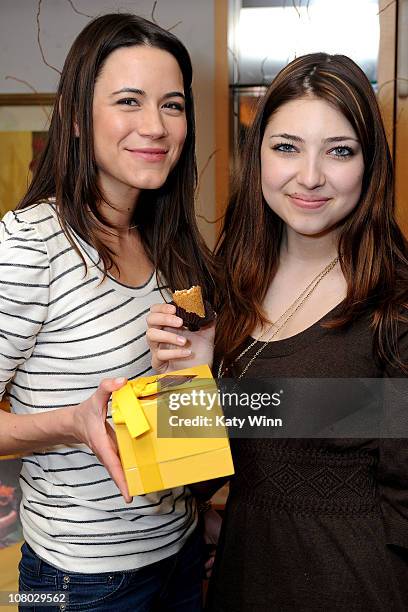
(221,110)
(401,122)
(386,68)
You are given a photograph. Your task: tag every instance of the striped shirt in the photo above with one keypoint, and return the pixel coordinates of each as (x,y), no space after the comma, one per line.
(63,329)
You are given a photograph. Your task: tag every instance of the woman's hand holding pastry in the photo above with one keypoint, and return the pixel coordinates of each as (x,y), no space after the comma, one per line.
(172,346)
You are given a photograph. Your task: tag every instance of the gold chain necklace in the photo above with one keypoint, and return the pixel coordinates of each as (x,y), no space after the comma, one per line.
(285,317)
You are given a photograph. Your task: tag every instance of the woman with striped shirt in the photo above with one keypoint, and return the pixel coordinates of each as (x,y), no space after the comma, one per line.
(107,220)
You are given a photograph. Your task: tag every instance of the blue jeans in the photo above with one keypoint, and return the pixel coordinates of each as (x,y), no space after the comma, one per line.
(173,584)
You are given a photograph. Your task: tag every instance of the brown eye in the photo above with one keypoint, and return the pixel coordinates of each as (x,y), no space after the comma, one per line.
(128,102)
(174,106)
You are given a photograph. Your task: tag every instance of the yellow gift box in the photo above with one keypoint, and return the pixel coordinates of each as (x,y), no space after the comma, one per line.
(152,462)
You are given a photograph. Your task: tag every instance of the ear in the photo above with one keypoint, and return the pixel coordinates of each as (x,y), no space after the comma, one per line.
(76,127)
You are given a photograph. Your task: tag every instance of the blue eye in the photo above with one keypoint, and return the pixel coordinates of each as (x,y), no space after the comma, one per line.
(342,151)
(285,147)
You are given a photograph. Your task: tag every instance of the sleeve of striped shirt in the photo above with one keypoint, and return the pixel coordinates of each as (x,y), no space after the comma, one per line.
(24,291)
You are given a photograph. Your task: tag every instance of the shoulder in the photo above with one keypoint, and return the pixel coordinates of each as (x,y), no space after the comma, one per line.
(28,233)
(24,264)
(37,226)
(41,218)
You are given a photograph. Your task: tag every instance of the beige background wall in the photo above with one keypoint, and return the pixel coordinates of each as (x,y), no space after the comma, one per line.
(20,57)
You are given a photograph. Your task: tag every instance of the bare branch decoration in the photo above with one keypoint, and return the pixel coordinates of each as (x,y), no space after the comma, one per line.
(200,176)
(262,68)
(174,26)
(153,18)
(399,115)
(236,64)
(386,6)
(33,89)
(78,12)
(210,221)
(39,39)
(296,7)
(384,83)
(204,168)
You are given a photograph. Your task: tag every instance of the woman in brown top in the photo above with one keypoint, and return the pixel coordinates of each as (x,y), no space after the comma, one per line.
(315,286)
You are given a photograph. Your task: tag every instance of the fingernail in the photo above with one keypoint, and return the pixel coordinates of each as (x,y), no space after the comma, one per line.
(120,381)
(181,340)
(186,352)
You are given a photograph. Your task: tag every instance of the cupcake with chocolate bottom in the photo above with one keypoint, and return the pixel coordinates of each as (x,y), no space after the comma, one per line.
(191,307)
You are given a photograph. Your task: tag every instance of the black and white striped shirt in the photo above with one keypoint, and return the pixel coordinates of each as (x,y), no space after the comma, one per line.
(61,331)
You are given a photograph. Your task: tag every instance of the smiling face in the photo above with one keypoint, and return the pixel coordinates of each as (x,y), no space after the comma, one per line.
(311,166)
(139,121)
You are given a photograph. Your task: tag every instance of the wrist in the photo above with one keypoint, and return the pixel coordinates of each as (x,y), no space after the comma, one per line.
(204,506)
(21,433)
(68,425)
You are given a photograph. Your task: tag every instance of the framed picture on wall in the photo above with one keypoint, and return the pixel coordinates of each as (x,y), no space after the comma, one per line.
(10,497)
(24,121)
(244,102)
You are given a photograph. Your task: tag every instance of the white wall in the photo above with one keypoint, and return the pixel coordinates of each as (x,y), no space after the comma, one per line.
(20,57)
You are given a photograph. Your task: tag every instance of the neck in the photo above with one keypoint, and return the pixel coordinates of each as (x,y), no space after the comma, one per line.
(119,210)
(308,251)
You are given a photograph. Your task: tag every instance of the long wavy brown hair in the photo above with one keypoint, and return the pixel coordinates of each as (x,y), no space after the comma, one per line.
(68,171)
(373,252)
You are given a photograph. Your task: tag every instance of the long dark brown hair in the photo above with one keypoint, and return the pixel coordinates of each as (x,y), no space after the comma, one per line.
(68,171)
(373,252)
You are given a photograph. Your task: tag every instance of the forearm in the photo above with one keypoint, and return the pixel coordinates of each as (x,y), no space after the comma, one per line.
(32,432)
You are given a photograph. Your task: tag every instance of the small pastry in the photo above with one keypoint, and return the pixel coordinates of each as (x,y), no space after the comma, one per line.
(191,307)
(191,300)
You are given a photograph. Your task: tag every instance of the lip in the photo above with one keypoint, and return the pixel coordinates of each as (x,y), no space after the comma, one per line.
(149,154)
(308,202)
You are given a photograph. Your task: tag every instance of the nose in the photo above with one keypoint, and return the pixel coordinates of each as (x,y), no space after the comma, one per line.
(151,123)
(311,173)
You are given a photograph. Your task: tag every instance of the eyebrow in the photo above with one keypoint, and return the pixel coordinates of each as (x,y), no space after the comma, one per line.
(140,92)
(299,139)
